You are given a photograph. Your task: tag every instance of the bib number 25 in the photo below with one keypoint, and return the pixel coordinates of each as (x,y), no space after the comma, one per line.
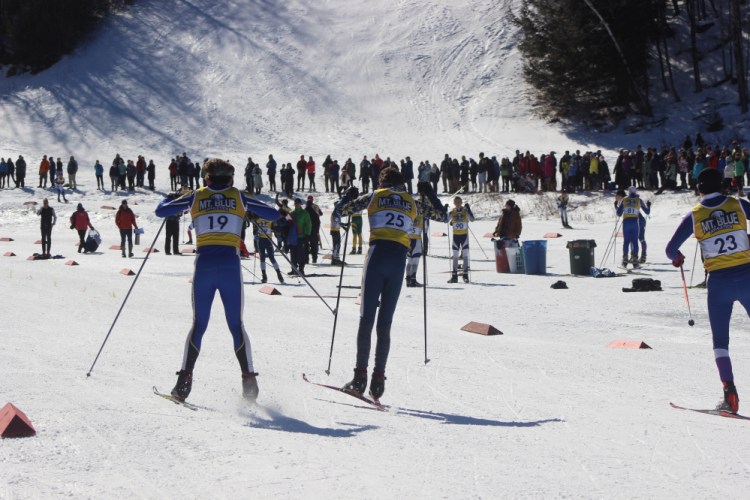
(395,220)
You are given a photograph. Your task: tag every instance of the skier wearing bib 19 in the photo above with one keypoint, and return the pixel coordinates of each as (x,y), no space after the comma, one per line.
(391,212)
(218,211)
(720,225)
(630,208)
(459,219)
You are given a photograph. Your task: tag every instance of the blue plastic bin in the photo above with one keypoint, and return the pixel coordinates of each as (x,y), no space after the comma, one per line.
(535,256)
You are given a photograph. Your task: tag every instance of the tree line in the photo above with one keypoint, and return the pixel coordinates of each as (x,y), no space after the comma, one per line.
(591,60)
(35,34)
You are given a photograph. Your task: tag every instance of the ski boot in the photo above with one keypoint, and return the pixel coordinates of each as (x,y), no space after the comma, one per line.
(377,385)
(466,277)
(184,383)
(358,384)
(250,386)
(414,282)
(625,261)
(263,277)
(634,260)
(454,278)
(353,252)
(280,276)
(408,281)
(359,250)
(731,401)
(643,258)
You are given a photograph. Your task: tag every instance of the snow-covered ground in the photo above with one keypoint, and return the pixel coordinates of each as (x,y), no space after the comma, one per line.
(547,409)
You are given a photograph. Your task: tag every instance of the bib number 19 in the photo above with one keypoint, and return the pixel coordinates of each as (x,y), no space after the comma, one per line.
(219,222)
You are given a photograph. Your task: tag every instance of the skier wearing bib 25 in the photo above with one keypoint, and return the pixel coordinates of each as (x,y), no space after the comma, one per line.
(630,208)
(460,217)
(391,212)
(720,225)
(218,211)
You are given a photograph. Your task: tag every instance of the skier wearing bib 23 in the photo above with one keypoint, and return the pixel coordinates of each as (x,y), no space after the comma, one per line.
(720,225)
(391,212)
(218,211)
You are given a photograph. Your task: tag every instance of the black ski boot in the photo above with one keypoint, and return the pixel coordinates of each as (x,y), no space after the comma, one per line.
(250,386)
(731,401)
(414,282)
(377,385)
(263,277)
(466,278)
(408,281)
(184,383)
(454,278)
(634,260)
(280,276)
(643,258)
(625,261)
(359,383)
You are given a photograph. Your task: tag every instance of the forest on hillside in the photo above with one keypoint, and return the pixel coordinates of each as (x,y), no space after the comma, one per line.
(35,34)
(597,61)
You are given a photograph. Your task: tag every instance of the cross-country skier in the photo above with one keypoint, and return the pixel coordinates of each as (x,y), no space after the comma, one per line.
(264,229)
(719,223)
(49,219)
(630,207)
(460,217)
(391,212)
(218,211)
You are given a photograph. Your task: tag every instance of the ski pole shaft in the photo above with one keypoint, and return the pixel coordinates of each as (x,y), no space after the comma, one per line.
(479,244)
(692,269)
(294,268)
(426,242)
(125,300)
(338,294)
(691,322)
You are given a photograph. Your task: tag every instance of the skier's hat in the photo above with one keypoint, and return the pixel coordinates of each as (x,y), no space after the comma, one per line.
(709,181)
(632,190)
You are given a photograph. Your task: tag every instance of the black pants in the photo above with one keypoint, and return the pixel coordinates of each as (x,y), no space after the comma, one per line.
(46,238)
(126,233)
(173,236)
(82,240)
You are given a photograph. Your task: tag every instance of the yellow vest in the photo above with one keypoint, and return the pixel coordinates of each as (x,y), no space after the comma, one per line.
(417,228)
(391,215)
(218,216)
(460,221)
(631,207)
(722,233)
(264,228)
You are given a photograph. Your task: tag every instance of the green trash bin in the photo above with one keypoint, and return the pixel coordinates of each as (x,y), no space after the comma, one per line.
(581,256)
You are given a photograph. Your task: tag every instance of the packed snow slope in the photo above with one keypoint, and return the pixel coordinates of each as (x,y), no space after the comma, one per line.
(419,78)
(544,410)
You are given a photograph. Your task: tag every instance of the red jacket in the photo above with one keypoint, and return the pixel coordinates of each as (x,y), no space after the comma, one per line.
(125,219)
(80,220)
(310,167)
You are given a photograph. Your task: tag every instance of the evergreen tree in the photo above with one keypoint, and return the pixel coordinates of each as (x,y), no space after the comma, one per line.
(585,67)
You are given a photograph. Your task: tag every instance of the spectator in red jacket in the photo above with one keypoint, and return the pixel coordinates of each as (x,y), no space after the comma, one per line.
(125,220)
(80,222)
(311,174)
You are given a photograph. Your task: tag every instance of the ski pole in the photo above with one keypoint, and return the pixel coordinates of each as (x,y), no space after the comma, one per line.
(478,244)
(338,293)
(691,322)
(138,274)
(692,269)
(426,243)
(294,268)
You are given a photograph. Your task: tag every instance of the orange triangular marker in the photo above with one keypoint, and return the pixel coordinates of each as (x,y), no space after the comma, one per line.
(481,328)
(269,290)
(14,423)
(629,344)
(127,272)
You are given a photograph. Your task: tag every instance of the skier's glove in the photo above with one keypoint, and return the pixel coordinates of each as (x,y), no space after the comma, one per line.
(648,204)
(679,260)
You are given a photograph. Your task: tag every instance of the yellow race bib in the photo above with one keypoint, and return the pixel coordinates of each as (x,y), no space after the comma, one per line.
(218,216)
(722,233)
(391,215)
